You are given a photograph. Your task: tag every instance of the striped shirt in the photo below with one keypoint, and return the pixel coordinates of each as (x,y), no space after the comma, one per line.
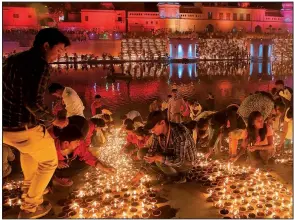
(25,80)
(180,149)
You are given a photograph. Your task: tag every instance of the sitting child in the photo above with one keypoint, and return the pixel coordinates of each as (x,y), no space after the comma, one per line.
(97,137)
(73,156)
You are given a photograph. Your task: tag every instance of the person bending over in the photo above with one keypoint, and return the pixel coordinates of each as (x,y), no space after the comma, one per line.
(257,141)
(172,148)
(73,156)
(137,142)
(73,103)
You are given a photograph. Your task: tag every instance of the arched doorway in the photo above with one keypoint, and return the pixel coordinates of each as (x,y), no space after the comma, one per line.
(257,29)
(209,28)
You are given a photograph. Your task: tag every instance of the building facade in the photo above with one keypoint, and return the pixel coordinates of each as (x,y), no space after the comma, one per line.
(170,17)
(173,17)
(20,18)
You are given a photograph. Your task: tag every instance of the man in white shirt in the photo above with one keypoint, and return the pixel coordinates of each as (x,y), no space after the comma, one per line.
(176,107)
(71,100)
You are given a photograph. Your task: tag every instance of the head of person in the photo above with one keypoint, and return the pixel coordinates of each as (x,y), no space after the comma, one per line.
(174,93)
(51,42)
(156,123)
(128,121)
(256,123)
(218,119)
(97,98)
(70,137)
(280,108)
(56,89)
(279,84)
(202,125)
(130,128)
(196,102)
(99,123)
(141,133)
(169,97)
(106,117)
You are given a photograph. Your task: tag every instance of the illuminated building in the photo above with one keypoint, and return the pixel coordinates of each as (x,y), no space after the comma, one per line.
(170,17)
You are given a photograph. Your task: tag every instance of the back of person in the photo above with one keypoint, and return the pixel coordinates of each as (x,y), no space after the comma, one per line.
(16,87)
(73,103)
(81,123)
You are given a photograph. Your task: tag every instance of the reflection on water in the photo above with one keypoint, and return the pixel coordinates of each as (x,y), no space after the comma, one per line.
(228,81)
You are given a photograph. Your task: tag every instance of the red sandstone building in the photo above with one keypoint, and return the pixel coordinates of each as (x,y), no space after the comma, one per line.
(170,16)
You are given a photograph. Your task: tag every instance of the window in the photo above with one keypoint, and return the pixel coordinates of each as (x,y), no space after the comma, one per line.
(86,18)
(146,22)
(209,15)
(221,16)
(29,16)
(235,16)
(15,15)
(248,17)
(151,22)
(156,22)
(241,17)
(228,16)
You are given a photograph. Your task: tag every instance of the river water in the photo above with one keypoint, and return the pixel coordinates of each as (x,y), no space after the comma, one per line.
(229,82)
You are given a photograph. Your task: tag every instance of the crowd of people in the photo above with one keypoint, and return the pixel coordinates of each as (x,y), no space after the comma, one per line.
(55,145)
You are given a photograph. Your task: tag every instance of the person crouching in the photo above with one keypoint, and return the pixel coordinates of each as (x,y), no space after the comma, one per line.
(73,157)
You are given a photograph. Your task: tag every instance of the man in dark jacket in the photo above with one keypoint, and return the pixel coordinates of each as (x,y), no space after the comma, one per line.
(26,119)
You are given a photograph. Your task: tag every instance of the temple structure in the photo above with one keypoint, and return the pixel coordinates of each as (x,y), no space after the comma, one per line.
(170,16)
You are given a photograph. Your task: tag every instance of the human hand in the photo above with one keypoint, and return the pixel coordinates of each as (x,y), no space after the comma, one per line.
(207,155)
(105,168)
(154,158)
(252,148)
(137,178)
(62,165)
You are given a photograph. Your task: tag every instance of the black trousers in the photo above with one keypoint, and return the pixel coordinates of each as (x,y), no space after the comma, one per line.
(75,167)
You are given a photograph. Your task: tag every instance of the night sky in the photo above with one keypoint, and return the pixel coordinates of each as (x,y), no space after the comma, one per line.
(149,6)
